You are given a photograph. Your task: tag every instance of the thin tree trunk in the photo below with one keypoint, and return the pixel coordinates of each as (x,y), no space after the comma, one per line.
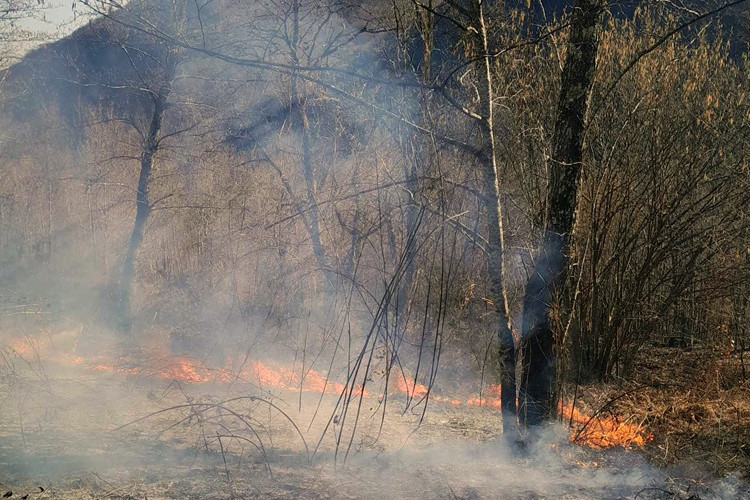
(298,106)
(411,173)
(546,281)
(495,237)
(420,150)
(149,148)
(307,166)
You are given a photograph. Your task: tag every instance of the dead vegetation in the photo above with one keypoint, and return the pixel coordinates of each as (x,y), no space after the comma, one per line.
(81,433)
(380,204)
(695,404)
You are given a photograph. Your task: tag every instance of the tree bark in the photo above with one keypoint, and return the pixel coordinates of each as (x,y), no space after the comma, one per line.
(149,148)
(494,209)
(546,281)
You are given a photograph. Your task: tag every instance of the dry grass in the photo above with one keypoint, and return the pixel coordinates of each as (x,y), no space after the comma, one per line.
(62,427)
(695,403)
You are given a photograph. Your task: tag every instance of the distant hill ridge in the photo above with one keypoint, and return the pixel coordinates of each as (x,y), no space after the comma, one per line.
(105,64)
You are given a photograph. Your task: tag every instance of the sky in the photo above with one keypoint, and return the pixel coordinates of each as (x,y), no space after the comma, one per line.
(58,17)
(54,20)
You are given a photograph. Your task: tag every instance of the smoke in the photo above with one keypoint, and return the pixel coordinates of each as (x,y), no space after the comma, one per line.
(73,435)
(74,428)
(282,226)
(489,470)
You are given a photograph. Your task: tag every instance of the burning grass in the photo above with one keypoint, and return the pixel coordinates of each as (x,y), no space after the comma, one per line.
(126,436)
(596,431)
(175,427)
(601,431)
(695,405)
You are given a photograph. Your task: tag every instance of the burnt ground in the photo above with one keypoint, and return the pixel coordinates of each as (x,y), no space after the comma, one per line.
(80,433)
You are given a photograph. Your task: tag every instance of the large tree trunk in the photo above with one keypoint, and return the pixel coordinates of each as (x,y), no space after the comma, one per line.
(495,238)
(545,283)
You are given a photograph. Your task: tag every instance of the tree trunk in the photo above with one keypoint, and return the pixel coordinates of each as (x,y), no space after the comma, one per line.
(307,167)
(149,148)
(495,238)
(298,107)
(420,150)
(546,281)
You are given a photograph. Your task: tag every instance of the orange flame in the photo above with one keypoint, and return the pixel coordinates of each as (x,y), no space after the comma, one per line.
(598,432)
(603,432)
(408,386)
(312,381)
(493,402)
(22,347)
(189,370)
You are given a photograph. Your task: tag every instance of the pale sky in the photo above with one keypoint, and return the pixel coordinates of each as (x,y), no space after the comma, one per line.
(58,14)
(54,20)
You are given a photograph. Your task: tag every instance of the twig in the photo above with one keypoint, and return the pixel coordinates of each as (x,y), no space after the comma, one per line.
(224,458)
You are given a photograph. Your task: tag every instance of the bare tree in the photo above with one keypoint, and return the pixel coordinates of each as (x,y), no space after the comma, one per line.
(488,157)
(151,140)
(550,270)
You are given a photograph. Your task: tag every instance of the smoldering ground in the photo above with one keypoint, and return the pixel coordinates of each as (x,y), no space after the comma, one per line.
(84,433)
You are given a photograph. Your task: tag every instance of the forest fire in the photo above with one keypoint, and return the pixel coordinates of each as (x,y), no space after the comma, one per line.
(596,432)
(366,249)
(602,432)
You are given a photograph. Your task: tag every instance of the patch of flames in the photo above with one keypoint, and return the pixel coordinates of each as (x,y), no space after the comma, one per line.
(598,432)
(602,431)
(24,347)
